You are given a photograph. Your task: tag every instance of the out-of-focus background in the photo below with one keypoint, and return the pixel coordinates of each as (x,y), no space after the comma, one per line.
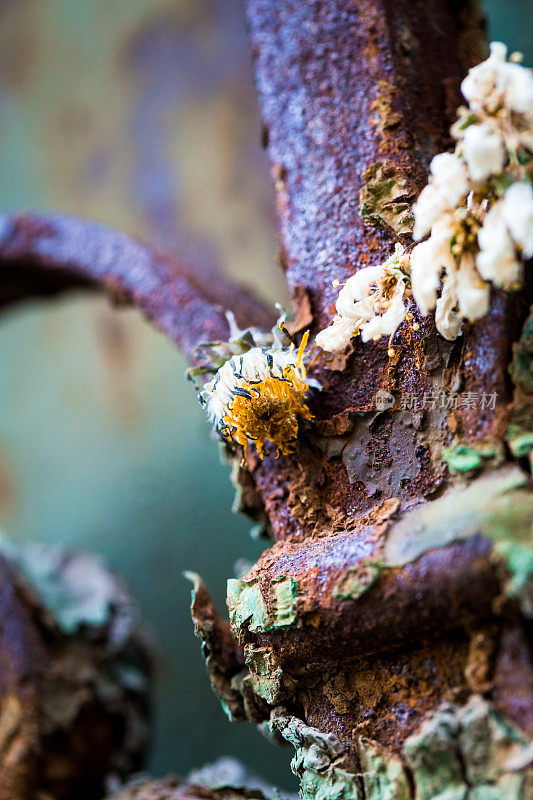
(141,114)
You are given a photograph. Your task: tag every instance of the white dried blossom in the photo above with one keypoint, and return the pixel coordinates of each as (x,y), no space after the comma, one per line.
(483,151)
(447,187)
(260,396)
(472,292)
(449,175)
(478,204)
(388,323)
(428,260)
(447,319)
(337,335)
(497,82)
(371,303)
(497,258)
(518,215)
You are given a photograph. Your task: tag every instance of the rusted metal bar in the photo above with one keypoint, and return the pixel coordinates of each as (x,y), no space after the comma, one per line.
(74,676)
(41,255)
(356,98)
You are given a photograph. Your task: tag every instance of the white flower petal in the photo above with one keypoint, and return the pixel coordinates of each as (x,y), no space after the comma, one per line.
(482,79)
(425,276)
(518,215)
(336,336)
(388,323)
(428,259)
(450,177)
(427,209)
(357,288)
(517,83)
(484,152)
(447,319)
(496,260)
(472,293)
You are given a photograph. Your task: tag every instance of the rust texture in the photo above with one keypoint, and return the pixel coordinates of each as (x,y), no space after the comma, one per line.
(350,93)
(73,679)
(43,255)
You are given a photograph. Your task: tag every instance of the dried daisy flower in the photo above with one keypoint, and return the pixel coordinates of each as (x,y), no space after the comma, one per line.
(371,303)
(260,396)
(478,204)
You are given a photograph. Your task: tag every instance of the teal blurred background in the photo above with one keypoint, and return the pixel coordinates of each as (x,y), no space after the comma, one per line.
(141,114)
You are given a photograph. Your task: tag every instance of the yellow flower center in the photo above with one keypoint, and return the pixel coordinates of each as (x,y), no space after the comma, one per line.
(269,409)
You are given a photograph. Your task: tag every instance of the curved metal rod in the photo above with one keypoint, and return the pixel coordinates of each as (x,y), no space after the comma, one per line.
(44,254)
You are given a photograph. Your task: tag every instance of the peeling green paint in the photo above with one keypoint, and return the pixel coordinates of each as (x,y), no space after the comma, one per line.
(463,458)
(519,441)
(493,505)
(283,602)
(255,709)
(385,198)
(519,586)
(246,605)
(486,741)
(334,784)
(509,523)
(383,774)
(356,581)
(320,760)
(220,667)
(469,753)
(509,518)
(72,587)
(433,759)
(266,673)
(459,513)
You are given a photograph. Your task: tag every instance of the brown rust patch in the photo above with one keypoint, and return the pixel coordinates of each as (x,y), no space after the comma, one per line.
(384,698)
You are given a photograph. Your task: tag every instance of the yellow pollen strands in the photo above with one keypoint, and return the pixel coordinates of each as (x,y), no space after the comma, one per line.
(260,397)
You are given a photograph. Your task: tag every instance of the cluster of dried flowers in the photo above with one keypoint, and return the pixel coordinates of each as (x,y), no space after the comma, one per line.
(478,204)
(478,211)
(371,303)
